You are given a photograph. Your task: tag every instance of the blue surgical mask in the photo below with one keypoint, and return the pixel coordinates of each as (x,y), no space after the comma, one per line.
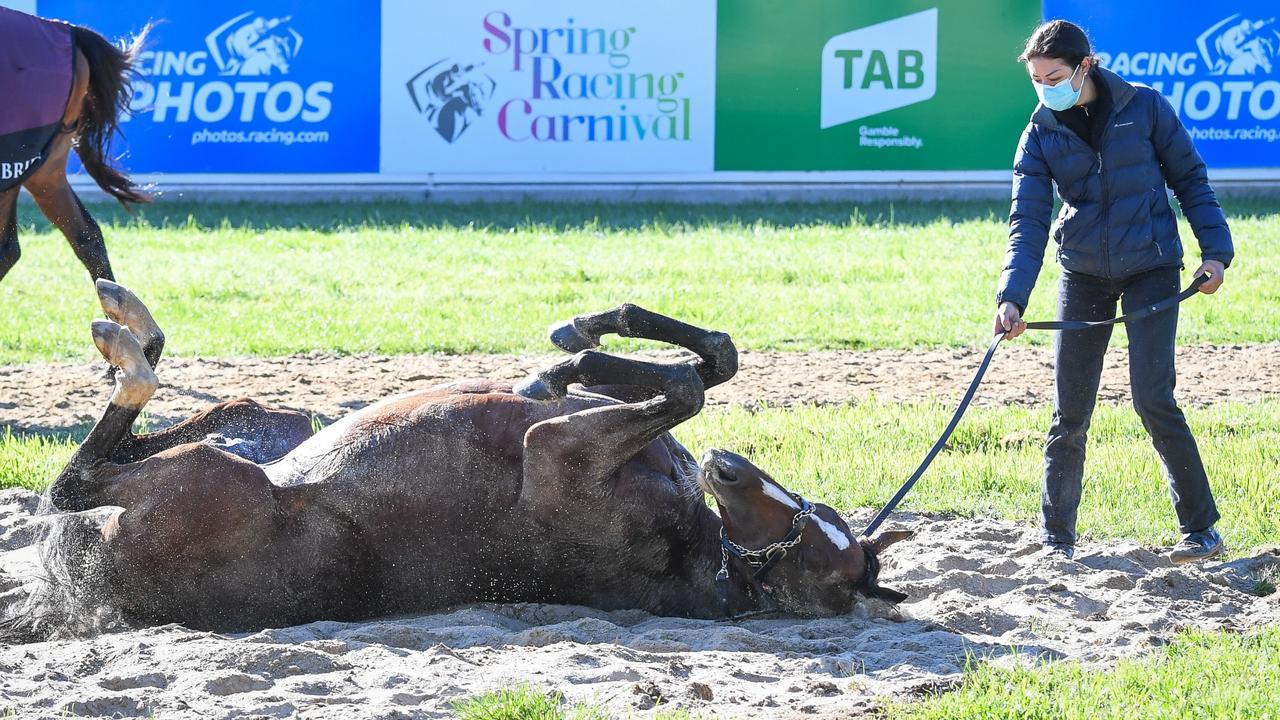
(1061,96)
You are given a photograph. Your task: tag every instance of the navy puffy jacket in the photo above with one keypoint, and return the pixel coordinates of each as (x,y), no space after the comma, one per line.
(1115,219)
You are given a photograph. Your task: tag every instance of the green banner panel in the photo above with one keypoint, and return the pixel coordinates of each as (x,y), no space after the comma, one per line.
(863,85)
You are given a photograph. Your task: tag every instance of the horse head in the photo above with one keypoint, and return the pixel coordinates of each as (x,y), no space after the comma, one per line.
(800,555)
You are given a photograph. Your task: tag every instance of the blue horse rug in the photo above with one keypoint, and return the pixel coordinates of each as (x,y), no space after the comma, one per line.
(37,69)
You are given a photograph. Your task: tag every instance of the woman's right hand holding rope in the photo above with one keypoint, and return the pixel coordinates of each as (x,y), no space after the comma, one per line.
(1009,321)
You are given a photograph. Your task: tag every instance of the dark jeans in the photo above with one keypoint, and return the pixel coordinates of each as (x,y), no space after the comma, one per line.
(1078,363)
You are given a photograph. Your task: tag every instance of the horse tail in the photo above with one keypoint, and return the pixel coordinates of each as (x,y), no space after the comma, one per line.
(110,90)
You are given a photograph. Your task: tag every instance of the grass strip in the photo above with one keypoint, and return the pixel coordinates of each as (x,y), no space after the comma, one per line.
(227,280)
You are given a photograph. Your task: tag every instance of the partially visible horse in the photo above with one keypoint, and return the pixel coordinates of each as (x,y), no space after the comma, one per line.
(567,488)
(63,86)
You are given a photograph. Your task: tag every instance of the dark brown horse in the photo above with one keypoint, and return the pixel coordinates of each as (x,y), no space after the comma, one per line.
(566,489)
(96,92)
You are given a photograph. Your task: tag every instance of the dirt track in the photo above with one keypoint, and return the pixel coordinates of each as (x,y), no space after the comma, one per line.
(979,588)
(57,397)
(975,588)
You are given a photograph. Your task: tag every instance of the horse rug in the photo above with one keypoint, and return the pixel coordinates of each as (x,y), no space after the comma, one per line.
(37,69)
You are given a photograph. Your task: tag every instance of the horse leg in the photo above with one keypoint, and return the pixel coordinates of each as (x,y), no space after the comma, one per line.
(123,307)
(9,250)
(55,198)
(718,358)
(242,427)
(569,455)
(80,485)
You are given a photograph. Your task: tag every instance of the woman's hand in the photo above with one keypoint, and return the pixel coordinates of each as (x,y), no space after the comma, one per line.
(1218,272)
(1009,320)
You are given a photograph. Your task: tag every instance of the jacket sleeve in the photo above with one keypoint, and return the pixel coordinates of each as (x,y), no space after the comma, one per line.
(1028,222)
(1185,172)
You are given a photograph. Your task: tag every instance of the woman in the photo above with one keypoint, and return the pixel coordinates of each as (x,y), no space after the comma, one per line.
(1111,147)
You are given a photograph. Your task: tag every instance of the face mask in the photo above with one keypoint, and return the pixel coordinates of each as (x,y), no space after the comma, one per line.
(1061,96)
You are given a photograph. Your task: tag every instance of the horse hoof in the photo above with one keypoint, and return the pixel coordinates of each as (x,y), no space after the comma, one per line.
(535,388)
(108,336)
(570,339)
(118,345)
(112,297)
(122,306)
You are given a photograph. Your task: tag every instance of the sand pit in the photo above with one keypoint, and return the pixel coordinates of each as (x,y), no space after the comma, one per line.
(58,397)
(977,586)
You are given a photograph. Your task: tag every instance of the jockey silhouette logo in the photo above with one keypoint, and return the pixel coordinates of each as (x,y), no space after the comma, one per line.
(249,44)
(452,96)
(1239,46)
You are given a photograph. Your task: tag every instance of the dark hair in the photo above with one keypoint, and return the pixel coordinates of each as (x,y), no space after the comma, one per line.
(1060,40)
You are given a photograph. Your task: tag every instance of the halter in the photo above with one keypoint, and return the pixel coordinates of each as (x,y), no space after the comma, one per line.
(763,561)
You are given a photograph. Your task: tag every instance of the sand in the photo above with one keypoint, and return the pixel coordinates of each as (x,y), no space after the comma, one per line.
(978,588)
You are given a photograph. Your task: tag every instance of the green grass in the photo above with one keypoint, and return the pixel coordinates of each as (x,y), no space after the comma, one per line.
(1200,675)
(1264,584)
(396,278)
(31,461)
(856,456)
(525,702)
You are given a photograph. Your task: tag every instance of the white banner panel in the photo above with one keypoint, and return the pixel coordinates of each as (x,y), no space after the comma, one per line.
(528,87)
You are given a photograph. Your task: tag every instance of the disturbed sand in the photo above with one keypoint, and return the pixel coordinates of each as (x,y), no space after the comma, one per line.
(978,588)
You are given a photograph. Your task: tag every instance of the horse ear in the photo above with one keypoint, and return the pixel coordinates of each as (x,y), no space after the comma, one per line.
(887,538)
(887,594)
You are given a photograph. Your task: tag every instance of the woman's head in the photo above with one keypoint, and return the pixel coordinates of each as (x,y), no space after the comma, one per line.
(1056,52)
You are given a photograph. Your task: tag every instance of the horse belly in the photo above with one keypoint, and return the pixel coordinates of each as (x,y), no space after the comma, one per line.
(412,465)
(432,482)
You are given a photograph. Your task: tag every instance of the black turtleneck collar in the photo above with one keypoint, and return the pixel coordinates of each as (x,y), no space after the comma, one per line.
(1088,121)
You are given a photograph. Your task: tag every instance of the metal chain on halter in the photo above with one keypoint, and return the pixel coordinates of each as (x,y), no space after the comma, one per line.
(723,574)
(756,558)
(763,559)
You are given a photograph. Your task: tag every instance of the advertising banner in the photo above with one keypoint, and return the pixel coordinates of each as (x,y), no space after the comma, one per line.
(26,6)
(273,86)
(1217,63)
(891,85)
(524,86)
(526,90)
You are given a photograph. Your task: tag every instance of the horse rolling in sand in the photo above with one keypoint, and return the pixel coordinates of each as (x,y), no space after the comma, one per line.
(62,86)
(567,488)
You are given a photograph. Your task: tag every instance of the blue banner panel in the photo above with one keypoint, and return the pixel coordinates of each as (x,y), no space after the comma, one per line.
(1217,62)
(235,87)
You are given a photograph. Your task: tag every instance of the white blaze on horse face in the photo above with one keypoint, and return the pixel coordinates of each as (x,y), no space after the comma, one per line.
(779,494)
(838,538)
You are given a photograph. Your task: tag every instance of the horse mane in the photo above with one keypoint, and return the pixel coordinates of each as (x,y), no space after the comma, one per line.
(110,91)
(66,598)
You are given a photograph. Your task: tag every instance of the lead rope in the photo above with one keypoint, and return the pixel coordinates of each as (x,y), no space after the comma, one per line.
(982,369)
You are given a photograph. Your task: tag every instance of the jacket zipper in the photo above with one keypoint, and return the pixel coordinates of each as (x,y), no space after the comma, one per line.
(1106,196)
(1106,224)
(1106,252)
(1112,117)
(1154,241)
